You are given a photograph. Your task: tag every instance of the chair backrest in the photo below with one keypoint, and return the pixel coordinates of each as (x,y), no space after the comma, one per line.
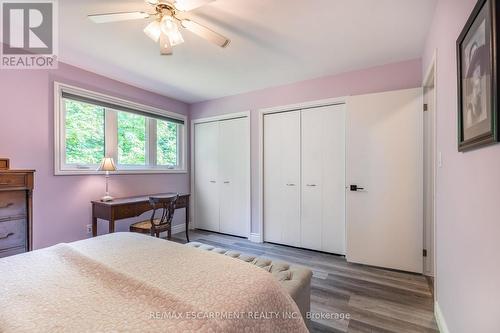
(166,206)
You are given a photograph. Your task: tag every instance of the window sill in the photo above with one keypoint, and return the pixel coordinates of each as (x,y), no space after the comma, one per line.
(119,172)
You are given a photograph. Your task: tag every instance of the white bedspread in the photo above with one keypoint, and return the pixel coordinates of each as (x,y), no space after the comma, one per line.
(127,282)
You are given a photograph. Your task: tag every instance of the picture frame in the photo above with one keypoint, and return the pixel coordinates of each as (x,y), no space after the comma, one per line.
(477,76)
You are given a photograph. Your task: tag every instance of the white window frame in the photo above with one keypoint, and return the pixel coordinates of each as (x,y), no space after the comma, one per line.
(111,137)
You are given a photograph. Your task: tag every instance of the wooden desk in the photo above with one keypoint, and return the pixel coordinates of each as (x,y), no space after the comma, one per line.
(122,208)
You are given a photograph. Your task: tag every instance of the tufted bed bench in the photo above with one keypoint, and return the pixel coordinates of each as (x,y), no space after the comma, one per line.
(295,279)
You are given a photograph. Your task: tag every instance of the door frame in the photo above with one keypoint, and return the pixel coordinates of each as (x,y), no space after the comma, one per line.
(259,237)
(227,116)
(430,78)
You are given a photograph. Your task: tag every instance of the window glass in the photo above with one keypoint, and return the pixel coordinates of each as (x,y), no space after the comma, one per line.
(84,133)
(166,143)
(131,139)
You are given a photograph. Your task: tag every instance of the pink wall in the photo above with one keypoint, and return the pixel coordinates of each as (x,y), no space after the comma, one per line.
(395,76)
(401,75)
(468,196)
(62,203)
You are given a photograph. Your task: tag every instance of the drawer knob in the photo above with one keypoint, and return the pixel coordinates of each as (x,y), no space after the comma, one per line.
(7,235)
(5,205)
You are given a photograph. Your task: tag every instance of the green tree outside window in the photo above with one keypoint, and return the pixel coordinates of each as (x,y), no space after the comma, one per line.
(166,148)
(84,133)
(131,139)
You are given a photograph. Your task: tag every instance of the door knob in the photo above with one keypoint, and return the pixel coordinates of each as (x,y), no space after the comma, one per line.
(356,188)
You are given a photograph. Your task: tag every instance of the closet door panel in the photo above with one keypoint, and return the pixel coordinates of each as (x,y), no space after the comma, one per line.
(233,175)
(312,179)
(334,179)
(282,178)
(323,179)
(206,176)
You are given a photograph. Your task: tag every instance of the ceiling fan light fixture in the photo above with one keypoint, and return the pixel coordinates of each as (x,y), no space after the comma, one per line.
(169,28)
(176,38)
(153,31)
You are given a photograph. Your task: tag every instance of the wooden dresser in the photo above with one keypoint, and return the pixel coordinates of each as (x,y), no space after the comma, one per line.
(16,211)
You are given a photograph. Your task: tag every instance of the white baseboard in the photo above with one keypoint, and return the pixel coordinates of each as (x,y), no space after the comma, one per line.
(255,238)
(443,328)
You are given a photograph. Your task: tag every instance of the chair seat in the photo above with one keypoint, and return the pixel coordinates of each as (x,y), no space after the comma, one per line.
(145,226)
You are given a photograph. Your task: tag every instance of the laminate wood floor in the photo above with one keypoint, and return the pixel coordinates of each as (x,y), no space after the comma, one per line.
(376,300)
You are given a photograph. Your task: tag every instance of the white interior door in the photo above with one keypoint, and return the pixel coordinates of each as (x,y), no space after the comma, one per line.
(384,156)
(206,185)
(234,171)
(323,179)
(282,178)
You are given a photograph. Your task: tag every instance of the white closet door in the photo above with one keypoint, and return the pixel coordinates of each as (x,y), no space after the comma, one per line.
(282,178)
(206,176)
(234,173)
(323,179)
(384,157)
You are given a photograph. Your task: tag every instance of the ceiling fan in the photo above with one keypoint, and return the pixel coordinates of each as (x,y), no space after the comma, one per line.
(165,26)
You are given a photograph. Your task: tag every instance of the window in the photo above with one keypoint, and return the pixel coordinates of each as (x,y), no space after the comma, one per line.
(131,139)
(90,126)
(166,147)
(84,133)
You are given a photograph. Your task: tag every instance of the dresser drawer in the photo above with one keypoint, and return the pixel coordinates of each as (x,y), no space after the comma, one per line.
(12,203)
(12,234)
(12,251)
(13,180)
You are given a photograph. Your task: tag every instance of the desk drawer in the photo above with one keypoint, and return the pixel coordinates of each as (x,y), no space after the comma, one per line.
(182,201)
(12,234)
(12,203)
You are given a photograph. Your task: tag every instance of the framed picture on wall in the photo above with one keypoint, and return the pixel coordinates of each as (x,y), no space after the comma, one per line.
(477,78)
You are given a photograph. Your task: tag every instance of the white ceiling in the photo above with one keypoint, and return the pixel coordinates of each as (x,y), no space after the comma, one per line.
(273,42)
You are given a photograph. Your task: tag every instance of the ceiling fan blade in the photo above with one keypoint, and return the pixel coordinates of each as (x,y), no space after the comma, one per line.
(187,5)
(116,17)
(160,2)
(165,46)
(205,32)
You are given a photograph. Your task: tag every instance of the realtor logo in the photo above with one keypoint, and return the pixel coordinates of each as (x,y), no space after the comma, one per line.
(28,34)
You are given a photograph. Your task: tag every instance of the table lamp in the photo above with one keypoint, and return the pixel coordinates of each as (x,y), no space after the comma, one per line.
(107,165)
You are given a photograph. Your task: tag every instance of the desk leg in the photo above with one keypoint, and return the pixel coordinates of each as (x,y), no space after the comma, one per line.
(187,222)
(94,226)
(111,226)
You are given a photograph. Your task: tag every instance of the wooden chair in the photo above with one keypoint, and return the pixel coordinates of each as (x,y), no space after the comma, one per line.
(154,226)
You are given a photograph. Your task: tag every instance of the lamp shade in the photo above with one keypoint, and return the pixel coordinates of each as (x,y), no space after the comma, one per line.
(107,164)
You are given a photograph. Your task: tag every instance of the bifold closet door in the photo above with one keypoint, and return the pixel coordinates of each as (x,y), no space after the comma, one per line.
(282,178)
(234,171)
(385,162)
(323,179)
(206,176)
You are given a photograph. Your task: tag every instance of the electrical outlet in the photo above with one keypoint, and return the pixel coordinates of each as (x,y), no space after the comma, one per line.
(89,228)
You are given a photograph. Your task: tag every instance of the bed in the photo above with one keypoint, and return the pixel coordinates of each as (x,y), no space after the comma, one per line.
(136,283)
